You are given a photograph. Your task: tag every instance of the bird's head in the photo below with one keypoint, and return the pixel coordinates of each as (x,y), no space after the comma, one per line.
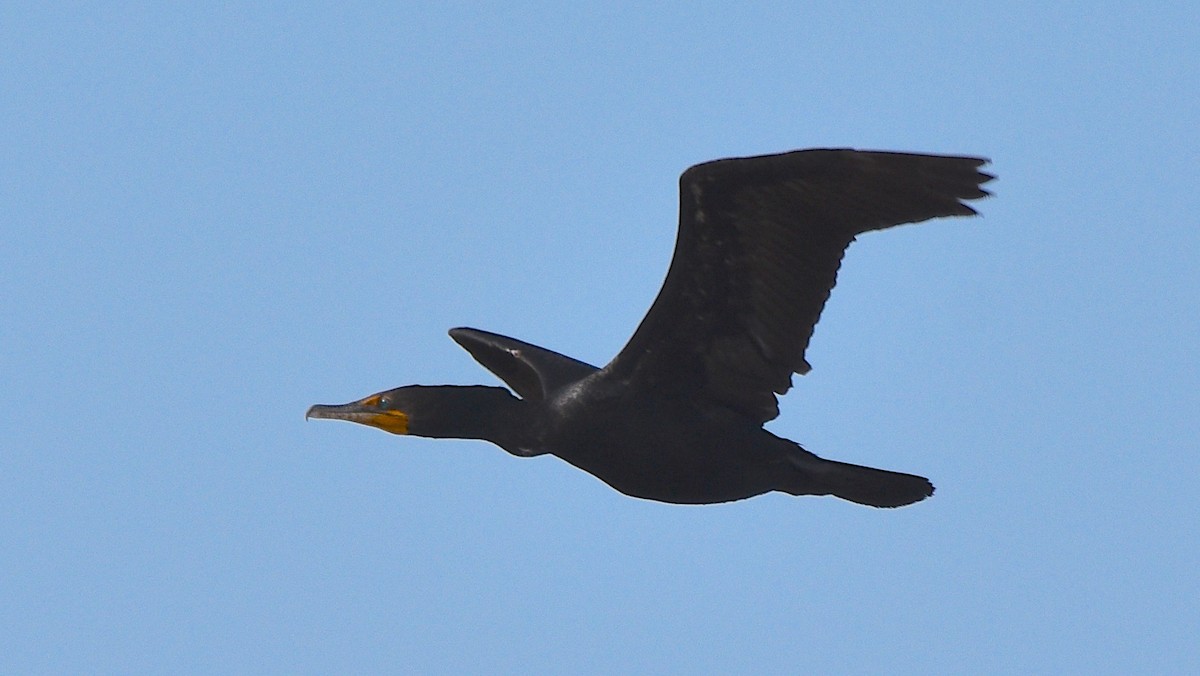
(389,411)
(438,411)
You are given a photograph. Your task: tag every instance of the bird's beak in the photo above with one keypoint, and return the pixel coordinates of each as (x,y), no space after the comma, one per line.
(363,412)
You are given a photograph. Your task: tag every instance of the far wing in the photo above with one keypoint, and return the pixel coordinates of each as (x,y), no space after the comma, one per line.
(532,372)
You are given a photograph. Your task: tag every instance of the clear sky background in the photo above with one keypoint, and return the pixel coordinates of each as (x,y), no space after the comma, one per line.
(213,217)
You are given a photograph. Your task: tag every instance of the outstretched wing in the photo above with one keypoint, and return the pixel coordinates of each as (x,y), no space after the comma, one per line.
(759,244)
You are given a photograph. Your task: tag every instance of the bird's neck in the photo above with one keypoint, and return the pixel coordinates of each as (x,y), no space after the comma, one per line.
(477,412)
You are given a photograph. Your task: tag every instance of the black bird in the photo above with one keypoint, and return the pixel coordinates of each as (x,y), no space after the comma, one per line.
(678,415)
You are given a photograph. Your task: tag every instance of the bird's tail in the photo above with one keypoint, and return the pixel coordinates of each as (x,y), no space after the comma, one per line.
(864,485)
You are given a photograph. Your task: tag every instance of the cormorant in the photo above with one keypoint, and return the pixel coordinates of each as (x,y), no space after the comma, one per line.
(677,416)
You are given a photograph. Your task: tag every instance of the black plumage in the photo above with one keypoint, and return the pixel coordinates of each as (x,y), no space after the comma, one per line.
(677,415)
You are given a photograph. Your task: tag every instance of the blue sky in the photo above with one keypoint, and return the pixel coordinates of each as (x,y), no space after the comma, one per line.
(215,217)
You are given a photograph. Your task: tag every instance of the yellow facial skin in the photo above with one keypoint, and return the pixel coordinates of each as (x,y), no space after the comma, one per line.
(388,421)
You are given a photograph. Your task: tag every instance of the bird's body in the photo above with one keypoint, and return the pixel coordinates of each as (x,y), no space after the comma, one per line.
(619,438)
(677,416)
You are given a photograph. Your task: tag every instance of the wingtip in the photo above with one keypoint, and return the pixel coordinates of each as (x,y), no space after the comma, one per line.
(463,334)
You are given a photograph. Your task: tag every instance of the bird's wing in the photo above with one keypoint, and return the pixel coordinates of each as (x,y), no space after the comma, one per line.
(759,244)
(532,372)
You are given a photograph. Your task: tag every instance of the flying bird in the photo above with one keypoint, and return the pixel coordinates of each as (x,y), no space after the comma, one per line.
(677,416)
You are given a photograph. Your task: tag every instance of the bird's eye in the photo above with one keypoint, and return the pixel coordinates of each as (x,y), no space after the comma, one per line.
(384,402)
